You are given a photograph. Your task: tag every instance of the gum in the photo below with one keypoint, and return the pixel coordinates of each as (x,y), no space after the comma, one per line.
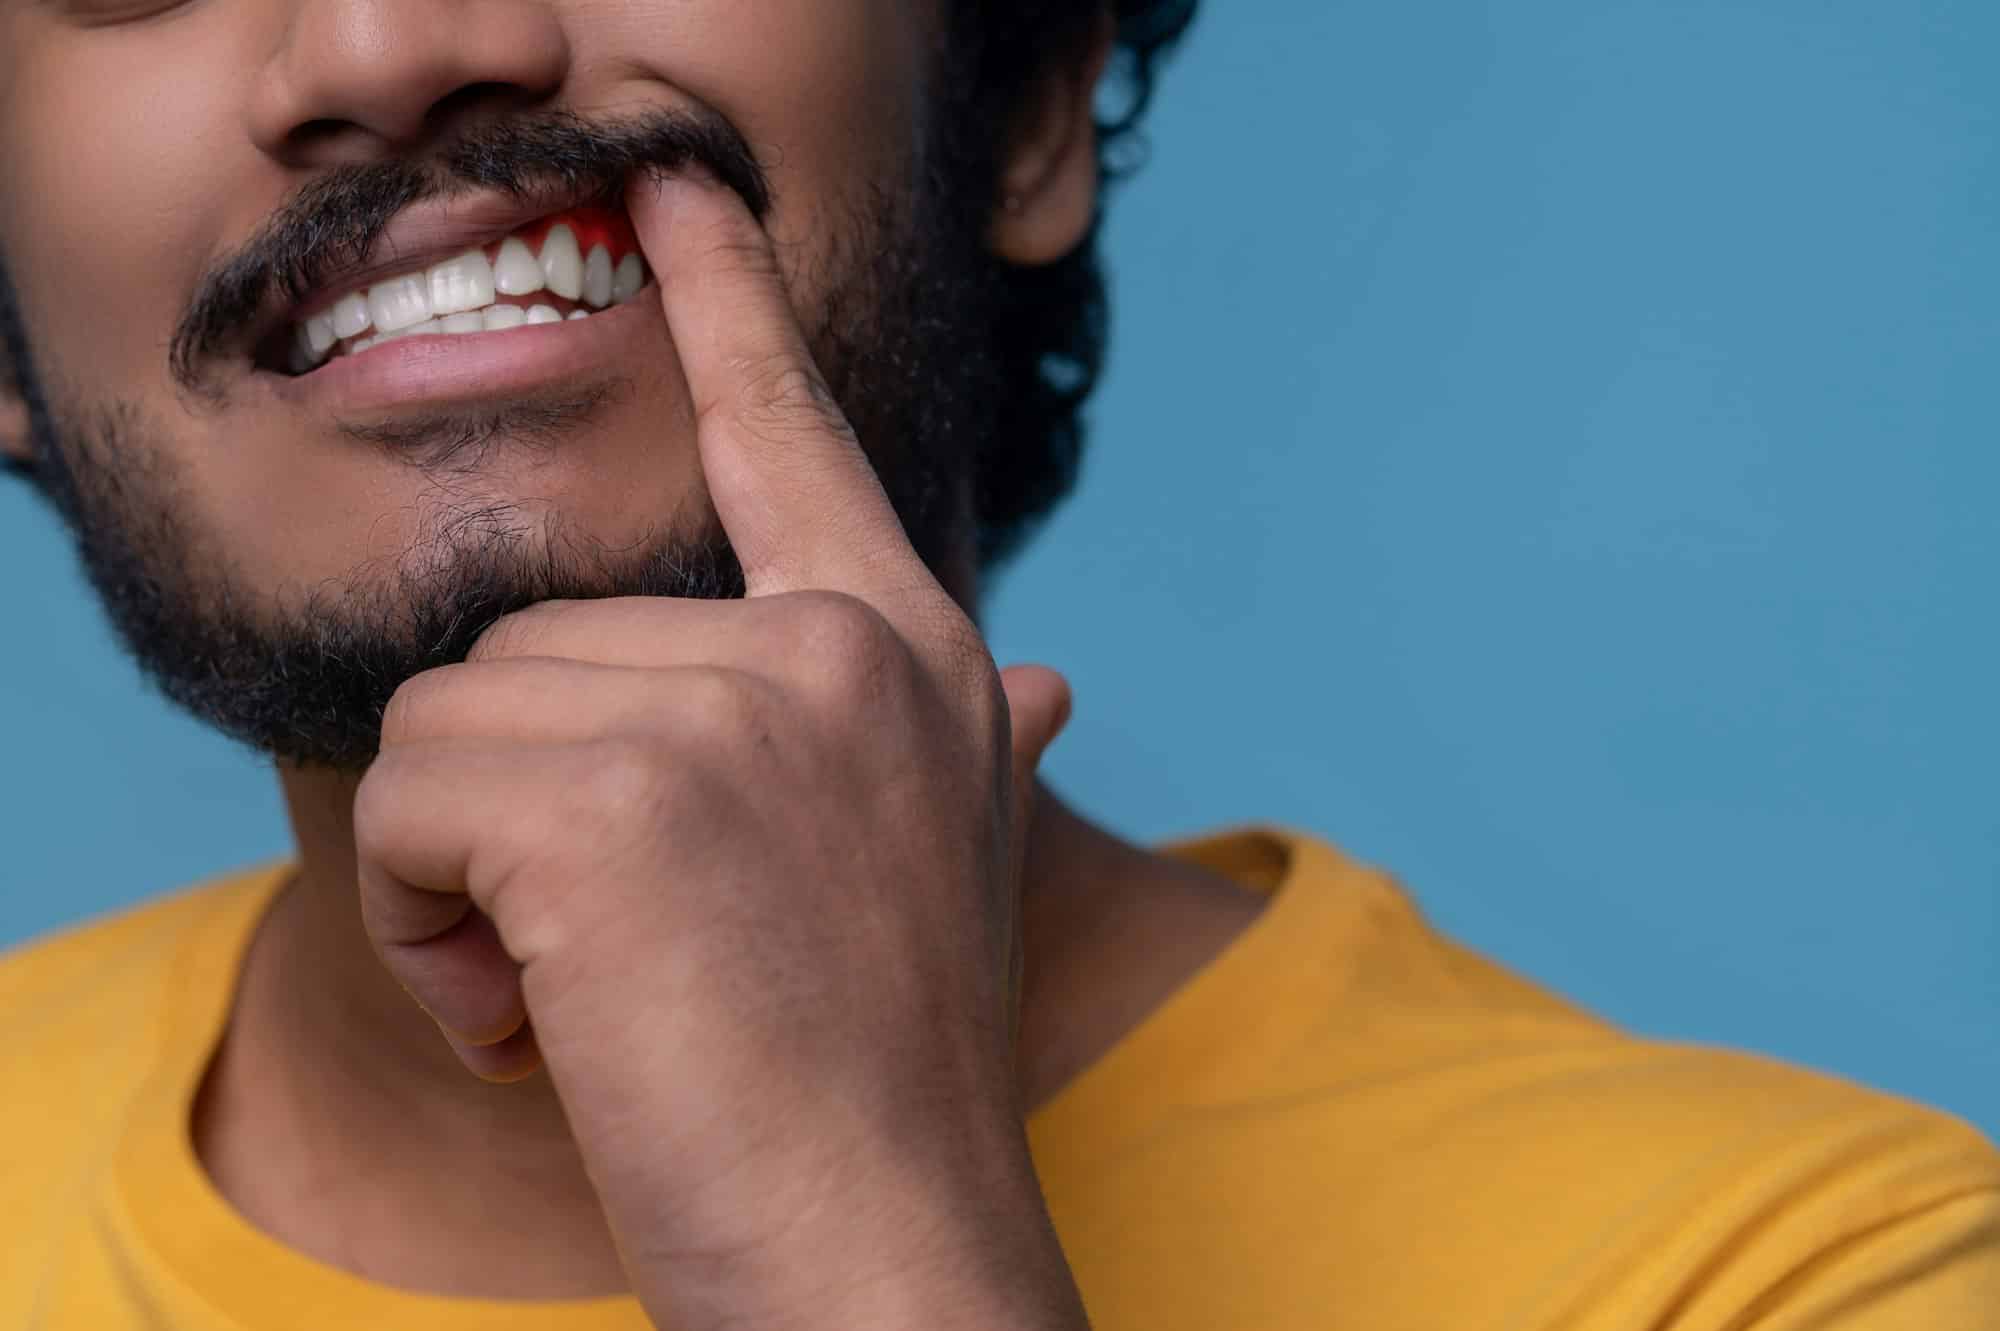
(593,227)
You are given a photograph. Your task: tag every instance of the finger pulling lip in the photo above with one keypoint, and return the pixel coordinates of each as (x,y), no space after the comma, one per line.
(444,368)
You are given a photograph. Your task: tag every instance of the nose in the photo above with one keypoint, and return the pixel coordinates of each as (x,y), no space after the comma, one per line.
(355,80)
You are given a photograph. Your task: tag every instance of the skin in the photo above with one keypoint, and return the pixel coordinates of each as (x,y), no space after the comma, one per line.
(642,799)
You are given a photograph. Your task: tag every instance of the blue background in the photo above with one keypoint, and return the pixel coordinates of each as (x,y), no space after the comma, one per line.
(1550,450)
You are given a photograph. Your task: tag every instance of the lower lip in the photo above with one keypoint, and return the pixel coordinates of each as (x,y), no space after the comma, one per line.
(442,368)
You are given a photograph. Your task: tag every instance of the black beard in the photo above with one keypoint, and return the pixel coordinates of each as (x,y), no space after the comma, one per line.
(902,342)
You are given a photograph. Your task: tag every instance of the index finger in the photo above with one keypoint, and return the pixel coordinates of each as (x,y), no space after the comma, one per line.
(794,490)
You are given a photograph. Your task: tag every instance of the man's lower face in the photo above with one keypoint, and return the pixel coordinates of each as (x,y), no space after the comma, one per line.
(281,550)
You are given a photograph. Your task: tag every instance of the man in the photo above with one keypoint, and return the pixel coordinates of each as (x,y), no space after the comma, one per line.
(569,438)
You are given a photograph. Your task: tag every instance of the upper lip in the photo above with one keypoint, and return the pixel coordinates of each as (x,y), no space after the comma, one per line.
(421,235)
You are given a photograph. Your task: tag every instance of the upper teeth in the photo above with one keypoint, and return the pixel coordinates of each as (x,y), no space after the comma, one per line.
(459,295)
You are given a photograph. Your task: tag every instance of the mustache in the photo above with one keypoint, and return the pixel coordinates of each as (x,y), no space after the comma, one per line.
(553,157)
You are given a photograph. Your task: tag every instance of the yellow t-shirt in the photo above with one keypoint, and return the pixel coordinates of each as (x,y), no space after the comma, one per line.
(1344,1122)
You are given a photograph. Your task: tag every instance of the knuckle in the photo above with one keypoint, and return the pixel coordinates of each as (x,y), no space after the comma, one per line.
(778,396)
(725,704)
(378,800)
(846,641)
(414,704)
(516,634)
(625,781)
(733,244)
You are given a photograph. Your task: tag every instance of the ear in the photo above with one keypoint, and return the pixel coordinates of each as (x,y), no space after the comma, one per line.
(1048,179)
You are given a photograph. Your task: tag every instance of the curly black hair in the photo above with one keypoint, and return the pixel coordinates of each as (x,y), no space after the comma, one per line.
(1050,323)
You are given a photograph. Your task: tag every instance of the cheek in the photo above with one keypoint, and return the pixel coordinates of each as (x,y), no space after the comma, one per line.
(110,155)
(835,79)
(828,93)
(127,187)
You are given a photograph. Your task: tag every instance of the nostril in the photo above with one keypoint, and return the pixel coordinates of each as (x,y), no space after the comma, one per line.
(310,132)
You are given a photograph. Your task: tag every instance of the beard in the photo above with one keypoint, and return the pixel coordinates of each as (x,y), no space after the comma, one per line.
(900,339)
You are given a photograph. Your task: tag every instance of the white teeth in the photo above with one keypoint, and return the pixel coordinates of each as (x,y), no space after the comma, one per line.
(319,335)
(463,283)
(562,263)
(516,272)
(631,275)
(597,277)
(459,295)
(427,326)
(399,302)
(350,315)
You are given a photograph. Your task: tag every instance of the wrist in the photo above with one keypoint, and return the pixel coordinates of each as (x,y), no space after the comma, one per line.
(894,1252)
(1015,1280)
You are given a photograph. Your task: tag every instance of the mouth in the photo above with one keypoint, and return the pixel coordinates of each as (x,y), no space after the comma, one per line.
(562,267)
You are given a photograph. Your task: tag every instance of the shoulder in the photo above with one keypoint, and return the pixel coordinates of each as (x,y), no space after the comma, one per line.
(1587,1180)
(87,1012)
(47,982)
(1698,1185)
(1691,1184)
(1495,1154)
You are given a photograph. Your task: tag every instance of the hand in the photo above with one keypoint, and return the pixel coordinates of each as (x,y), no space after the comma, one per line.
(744,875)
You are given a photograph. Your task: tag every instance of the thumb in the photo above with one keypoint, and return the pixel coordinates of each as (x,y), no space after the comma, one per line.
(1038,707)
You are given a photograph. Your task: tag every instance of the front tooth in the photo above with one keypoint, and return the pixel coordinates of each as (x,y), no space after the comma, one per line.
(469,322)
(461,283)
(350,315)
(505,316)
(597,277)
(544,314)
(399,302)
(631,275)
(579,314)
(516,272)
(319,335)
(562,262)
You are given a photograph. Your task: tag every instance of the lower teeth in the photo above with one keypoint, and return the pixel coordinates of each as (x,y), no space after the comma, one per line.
(489,320)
